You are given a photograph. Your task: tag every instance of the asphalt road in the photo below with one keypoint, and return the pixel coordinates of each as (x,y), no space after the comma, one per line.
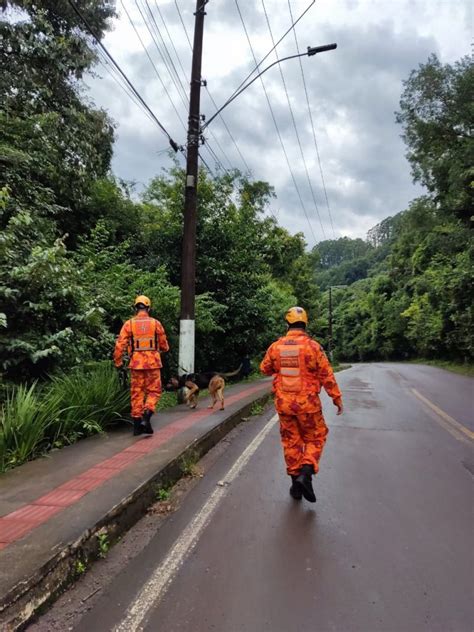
(387,547)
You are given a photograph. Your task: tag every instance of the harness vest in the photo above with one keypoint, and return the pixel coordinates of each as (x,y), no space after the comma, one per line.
(293,377)
(144,334)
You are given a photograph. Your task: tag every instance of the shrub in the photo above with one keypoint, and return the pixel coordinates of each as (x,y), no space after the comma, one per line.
(26,422)
(91,398)
(34,419)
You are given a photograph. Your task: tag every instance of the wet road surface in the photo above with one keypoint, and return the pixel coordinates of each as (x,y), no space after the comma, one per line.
(387,547)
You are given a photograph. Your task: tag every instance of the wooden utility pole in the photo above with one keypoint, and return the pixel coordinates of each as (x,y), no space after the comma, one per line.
(188,261)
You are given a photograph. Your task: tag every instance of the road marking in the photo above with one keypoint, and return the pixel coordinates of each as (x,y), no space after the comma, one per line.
(157,584)
(454,426)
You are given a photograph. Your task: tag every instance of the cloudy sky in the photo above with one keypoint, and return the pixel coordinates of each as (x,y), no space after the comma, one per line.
(353,93)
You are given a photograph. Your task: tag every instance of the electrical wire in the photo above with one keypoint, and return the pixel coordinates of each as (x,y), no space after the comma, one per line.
(268,54)
(153,65)
(152,30)
(312,125)
(183,74)
(113,74)
(293,119)
(173,143)
(276,124)
(229,132)
(216,158)
(210,96)
(206,165)
(165,47)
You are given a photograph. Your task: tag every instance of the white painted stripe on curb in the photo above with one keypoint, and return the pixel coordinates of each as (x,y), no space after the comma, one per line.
(161,578)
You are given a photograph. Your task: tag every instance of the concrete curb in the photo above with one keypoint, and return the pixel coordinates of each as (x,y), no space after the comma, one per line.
(30,597)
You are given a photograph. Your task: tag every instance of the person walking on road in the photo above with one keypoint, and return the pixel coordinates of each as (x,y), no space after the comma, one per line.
(300,368)
(143,338)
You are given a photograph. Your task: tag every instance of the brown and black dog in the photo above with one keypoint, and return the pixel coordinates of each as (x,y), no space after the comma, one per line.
(194,382)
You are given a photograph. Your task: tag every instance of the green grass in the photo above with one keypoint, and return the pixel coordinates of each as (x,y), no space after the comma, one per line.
(188,463)
(167,400)
(257,409)
(456,367)
(340,367)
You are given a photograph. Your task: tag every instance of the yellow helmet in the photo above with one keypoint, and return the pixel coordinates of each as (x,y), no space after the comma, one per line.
(143,299)
(296,315)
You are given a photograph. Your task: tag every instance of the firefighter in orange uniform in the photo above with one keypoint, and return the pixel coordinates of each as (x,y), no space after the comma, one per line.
(300,368)
(143,338)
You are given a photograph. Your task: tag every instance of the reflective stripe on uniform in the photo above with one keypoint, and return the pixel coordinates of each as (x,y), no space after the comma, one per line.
(289,371)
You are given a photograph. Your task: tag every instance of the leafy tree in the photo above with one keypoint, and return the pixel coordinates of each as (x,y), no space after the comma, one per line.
(47,315)
(333,252)
(436,111)
(53,144)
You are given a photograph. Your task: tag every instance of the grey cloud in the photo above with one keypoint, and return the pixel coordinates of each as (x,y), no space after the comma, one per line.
(353,91)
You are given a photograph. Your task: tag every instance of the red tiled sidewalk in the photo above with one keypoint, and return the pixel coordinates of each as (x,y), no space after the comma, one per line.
(17,524)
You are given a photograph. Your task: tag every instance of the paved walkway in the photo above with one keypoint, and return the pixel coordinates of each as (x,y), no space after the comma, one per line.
(48,504)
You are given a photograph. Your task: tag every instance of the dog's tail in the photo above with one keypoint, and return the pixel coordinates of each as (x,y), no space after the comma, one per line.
(236,372)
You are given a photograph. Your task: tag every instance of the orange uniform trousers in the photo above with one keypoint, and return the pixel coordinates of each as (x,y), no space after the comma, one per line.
(145,390)
(303,437)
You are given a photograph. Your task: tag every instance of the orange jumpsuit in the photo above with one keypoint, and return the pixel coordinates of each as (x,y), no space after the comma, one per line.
(143,338)
(300,368)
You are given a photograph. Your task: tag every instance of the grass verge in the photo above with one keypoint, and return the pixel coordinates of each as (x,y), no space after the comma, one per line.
(462,368)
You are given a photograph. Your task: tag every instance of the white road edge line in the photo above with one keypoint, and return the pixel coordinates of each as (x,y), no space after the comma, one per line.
(157,584)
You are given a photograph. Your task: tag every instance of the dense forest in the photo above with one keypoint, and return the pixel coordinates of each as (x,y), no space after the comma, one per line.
(77,244)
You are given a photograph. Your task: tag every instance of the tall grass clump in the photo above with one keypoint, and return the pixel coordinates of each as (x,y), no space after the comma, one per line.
(91,399)
(34,419)
(25,421)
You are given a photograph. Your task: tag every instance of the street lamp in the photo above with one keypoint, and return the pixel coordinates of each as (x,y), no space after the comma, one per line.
(311,50)
(330,345)
(188,266)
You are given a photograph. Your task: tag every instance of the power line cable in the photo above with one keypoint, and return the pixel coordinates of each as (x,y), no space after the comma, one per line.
(293,120)
(276,124)
(170,39)
(123,86)
(215,157)
(153,36)
(154,66)
(113,74)
(229,132)
(182,22)
(171,68)
(312,124)
(206,165)
(173,143)
(210,95)
(176,73)
(268,54)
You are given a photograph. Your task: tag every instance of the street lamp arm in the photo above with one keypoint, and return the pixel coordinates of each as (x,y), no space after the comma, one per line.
(312,50)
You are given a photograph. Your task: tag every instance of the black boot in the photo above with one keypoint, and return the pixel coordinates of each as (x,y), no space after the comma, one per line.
(147,429)
(304,479)
(137,426)
(296,490)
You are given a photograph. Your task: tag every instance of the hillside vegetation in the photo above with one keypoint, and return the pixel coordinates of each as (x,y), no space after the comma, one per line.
(410,283)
